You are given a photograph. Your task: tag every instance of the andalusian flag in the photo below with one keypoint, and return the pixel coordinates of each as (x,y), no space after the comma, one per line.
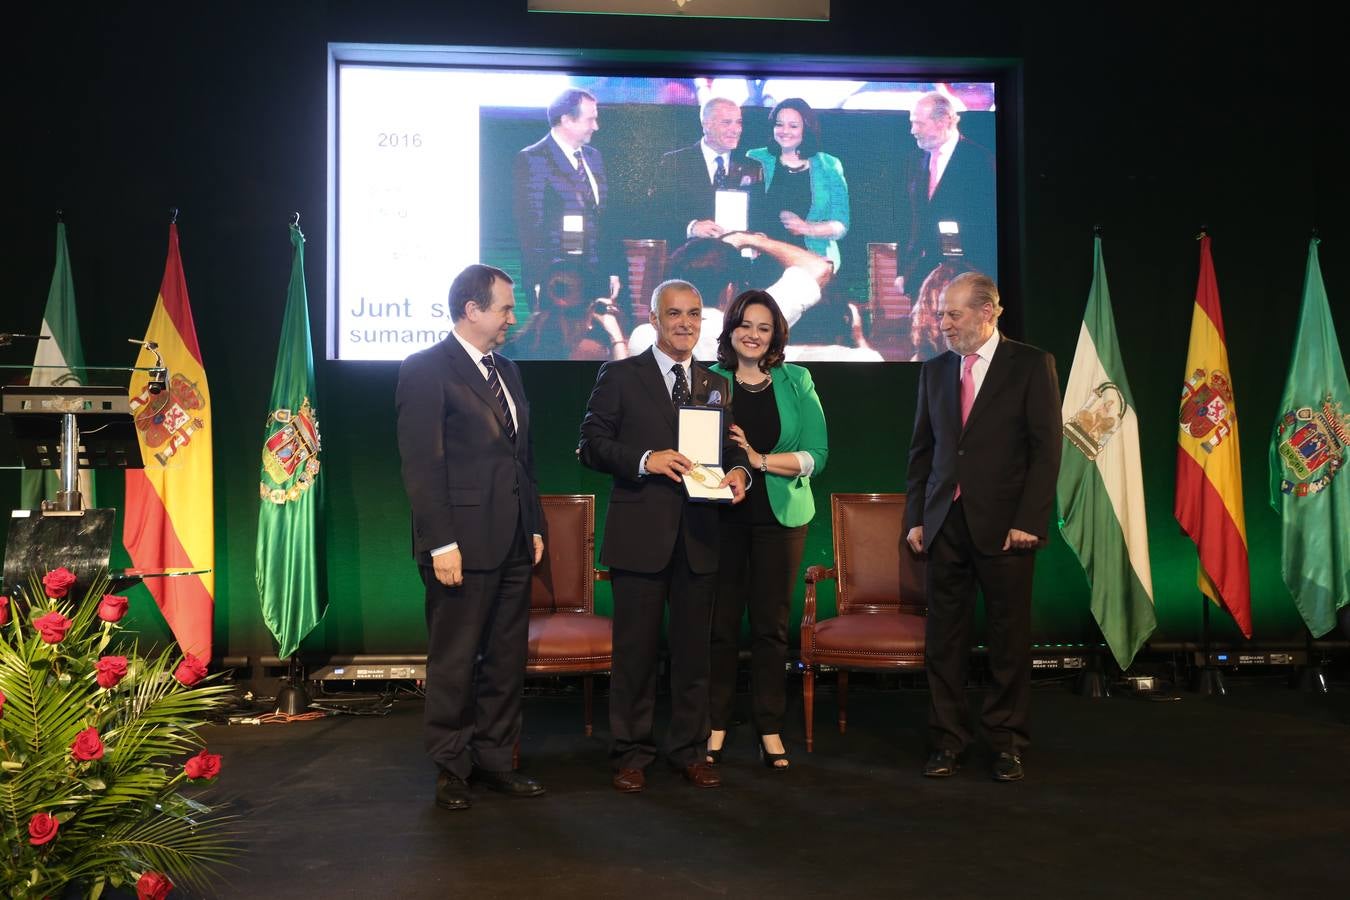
(1209,467)
(1308,454)
(59,361)
(1101,484)
(288,570)
(170,508)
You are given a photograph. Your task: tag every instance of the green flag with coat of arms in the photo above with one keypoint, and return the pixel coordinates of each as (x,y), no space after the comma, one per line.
(289,565)
(1308,452)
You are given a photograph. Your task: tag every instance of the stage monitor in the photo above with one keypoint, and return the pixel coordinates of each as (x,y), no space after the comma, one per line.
(850,190)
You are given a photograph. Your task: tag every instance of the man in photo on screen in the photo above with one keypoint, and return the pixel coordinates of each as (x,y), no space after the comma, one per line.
(684,190)
(947,184)
(561,192)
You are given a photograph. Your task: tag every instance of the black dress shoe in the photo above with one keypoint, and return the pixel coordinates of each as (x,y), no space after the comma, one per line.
(452,792)
(511,783)
(1008,767)
(941,764)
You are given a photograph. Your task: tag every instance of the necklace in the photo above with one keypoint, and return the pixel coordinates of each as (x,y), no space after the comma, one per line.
(756,387)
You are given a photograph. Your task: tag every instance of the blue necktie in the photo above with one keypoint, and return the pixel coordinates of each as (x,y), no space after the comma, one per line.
(495,383)
(720,176)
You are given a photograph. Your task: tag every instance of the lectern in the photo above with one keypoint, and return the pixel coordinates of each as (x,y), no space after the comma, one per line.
(66,427)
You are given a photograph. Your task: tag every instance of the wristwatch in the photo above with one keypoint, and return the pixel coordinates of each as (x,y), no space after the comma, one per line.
(764,463)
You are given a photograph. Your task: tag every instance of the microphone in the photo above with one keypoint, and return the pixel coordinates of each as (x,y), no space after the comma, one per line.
(7,338)
(159,373)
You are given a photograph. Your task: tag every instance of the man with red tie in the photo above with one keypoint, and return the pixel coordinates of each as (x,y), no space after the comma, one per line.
(947,184)
(982,468)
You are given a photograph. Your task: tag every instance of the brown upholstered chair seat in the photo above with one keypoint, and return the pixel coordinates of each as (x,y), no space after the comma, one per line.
(568,639)
(865,638)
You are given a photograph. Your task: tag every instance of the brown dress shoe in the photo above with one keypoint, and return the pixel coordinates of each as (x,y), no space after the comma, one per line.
(629,781)
(702,775)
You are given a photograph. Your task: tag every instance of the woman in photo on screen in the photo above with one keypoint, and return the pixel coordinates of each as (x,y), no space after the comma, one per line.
(778,421)
(807,196)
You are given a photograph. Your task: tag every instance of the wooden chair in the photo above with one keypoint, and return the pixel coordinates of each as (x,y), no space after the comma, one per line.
(881,603)
(566,636)
(646,269)
(885,301)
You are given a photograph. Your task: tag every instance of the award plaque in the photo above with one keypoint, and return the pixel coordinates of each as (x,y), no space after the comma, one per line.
(700,439)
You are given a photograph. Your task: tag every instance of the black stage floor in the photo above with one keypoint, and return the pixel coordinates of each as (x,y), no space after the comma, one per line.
(1246,795)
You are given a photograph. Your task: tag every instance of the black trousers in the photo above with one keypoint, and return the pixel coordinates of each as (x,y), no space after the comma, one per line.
(757,566)
(640,601)
(478,636)
(956,570)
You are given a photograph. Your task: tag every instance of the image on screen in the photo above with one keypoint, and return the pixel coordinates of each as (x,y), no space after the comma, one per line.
(851,202)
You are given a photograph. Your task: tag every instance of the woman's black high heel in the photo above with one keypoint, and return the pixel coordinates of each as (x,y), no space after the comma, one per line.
(714,757)
(770,760)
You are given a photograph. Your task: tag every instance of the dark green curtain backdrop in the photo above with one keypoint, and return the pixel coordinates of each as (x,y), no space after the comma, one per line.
(1150,120)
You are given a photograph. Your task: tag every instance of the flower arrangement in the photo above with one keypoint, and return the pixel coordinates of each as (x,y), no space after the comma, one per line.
(95,748)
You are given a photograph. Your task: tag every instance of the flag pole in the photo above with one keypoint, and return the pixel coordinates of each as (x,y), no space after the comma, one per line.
(1312,676)
(1206,679)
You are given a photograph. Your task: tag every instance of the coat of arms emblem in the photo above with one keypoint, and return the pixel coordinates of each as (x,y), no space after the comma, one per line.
(168,420)
(1091,428)
(1311,443)
(290,454)
(1207,408)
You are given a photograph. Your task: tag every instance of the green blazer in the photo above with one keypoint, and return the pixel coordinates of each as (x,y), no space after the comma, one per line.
(801,427)
(829,196)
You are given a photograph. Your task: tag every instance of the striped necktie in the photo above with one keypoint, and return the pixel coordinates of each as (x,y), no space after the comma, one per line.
(496,384)
(584,189)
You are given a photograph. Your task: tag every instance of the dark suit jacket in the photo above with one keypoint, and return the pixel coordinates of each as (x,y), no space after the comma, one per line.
(1007,456)
(466,480)
(682,192)
(546,189)
(965,195)
(628,414)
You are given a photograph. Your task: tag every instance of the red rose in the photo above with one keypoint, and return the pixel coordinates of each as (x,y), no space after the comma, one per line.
(2,704)
(153,886)
(58,582)
(110,669)
(87,746)
(4,610)
(53,627)
(42,828)
(190,671)
(202,766)
(112,608)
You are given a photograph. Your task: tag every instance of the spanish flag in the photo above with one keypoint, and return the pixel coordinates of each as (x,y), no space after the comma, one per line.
(170,521)
(1209,466)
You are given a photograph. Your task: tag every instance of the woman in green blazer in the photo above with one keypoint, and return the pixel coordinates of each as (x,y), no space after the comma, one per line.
(807,200)
(779,423)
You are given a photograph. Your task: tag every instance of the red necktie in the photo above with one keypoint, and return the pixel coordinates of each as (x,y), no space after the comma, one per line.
(967,395)
(932,174)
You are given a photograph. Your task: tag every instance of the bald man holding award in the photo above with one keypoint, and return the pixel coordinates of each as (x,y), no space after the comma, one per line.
(654,422)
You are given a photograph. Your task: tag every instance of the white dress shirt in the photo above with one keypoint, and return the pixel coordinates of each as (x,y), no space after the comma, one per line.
(981,367)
